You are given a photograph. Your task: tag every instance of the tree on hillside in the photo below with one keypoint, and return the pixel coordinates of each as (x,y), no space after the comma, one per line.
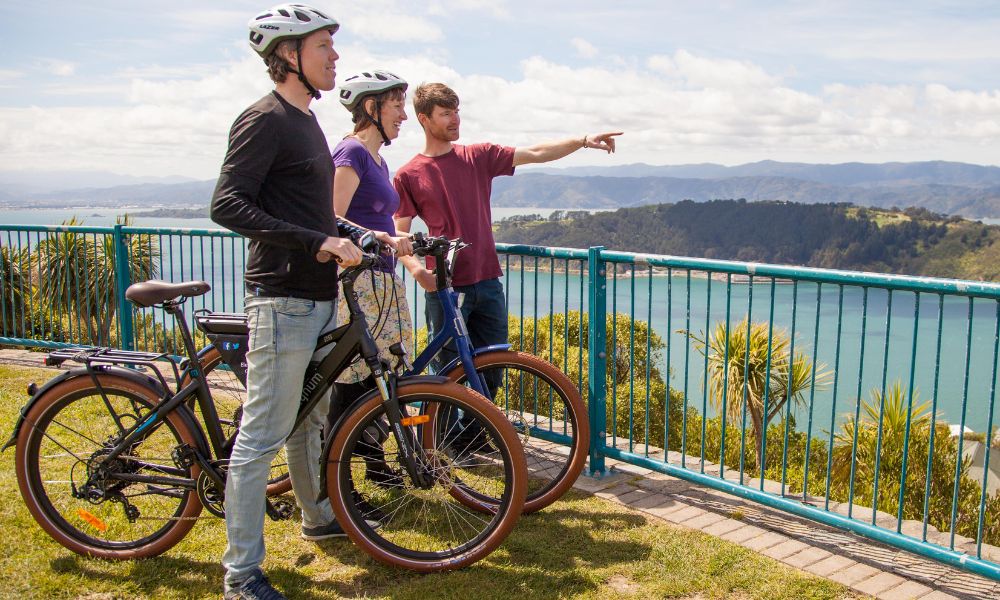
(821,235)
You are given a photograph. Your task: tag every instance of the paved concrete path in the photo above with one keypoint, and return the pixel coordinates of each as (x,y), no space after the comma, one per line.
(866,567)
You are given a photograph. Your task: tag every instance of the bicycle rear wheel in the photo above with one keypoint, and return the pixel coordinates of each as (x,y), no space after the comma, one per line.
(229,393)
(135,506)
(548,414)
(426,529)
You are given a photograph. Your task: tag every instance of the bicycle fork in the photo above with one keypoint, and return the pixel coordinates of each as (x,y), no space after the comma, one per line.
(405,439)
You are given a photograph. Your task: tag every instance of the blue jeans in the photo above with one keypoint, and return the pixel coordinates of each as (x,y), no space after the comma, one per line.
(484,309)
(283,334)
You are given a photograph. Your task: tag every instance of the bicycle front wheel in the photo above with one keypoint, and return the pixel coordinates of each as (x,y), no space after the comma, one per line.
(137,505)
(229,394)
(399,523)
(548,414)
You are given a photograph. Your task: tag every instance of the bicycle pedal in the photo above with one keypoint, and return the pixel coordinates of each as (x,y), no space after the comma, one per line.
(280,510)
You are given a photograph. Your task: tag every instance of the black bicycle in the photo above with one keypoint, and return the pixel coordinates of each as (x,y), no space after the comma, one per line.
(541,402)
(112,461)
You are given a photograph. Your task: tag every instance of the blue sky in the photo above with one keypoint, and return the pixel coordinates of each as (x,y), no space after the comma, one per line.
(150,88)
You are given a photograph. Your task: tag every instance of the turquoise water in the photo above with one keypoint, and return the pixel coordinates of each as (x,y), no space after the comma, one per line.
(679,303)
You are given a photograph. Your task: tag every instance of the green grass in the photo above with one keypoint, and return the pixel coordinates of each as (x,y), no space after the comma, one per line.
(581,547)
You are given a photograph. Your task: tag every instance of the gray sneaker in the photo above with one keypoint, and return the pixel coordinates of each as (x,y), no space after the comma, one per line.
(255,587)
(323,532)
(332,530)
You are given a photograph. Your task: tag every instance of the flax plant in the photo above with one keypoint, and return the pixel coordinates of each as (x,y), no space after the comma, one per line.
(738,370)
(76,276)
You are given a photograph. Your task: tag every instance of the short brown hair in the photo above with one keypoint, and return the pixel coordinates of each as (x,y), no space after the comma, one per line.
(358,114)
(277,66)
(429,95)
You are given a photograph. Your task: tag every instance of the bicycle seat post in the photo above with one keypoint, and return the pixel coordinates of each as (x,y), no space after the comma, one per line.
(174,308)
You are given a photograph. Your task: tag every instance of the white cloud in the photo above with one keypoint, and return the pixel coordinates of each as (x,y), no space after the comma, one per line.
(9,78)
(394,27)
(495,8)
(158,71)
(584,48)
(678,108)
(60,68)
(699,71)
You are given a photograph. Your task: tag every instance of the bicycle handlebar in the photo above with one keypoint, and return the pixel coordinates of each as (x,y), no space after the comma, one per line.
(428,245)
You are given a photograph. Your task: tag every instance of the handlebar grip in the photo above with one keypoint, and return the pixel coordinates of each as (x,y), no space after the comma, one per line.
(368,261)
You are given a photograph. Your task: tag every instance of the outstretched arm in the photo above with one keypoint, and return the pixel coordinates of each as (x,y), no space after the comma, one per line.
(549,151)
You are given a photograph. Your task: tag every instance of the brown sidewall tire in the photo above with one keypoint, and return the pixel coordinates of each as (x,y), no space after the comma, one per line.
(567,391)
(209,362)
(56,394)
(470,400)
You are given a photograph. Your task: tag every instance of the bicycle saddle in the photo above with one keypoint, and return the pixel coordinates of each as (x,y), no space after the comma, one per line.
(154,291)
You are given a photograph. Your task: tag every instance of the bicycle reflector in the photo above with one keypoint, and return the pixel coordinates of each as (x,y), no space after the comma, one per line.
(92,520)
(415,420)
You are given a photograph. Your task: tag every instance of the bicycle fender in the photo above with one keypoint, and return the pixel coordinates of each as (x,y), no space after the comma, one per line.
(401,382)
(131,374)
(475,352)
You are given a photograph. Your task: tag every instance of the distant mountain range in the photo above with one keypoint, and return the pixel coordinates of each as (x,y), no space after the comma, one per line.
(37,182)
(152,195)
(843,174)
(564,191)
(944,187)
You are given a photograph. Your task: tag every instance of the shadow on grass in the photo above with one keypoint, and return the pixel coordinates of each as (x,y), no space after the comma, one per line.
(550,554)
(149,577)
(188,578)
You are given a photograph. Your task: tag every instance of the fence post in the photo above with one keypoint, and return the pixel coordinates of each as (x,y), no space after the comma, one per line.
(123,279)
(597,361)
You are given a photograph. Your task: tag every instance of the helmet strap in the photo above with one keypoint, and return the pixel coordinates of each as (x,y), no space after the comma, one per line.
(300,72)
(377,121)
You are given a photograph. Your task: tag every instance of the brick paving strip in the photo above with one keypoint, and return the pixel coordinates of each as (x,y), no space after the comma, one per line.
(865,566)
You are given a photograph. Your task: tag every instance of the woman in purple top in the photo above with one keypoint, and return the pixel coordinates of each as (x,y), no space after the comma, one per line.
(364,194)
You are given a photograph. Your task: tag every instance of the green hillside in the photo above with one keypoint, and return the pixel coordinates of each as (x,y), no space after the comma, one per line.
(842,236)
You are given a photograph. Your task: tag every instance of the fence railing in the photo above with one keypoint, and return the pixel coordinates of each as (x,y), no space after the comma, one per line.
(858,400)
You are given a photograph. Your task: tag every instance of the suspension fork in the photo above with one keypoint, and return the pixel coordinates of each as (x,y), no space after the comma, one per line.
(405,439)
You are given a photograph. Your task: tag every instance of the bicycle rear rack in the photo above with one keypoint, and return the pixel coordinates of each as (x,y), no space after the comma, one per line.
(94,357)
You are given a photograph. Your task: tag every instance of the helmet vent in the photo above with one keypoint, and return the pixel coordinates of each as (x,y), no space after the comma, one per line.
(321,15)
(381,77)
(302,16)
(283,12)
(264,16)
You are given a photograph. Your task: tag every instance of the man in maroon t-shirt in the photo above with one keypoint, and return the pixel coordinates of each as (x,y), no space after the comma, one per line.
(448,186)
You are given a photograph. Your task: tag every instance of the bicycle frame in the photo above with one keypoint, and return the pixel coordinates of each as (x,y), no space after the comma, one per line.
(454,329)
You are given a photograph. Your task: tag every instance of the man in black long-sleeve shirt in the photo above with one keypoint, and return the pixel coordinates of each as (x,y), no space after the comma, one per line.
(275,188)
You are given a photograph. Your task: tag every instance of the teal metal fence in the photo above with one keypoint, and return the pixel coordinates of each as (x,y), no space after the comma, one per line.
(858,400)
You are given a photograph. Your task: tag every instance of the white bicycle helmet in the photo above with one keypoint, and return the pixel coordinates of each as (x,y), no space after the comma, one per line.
(286,22)
(355,88)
